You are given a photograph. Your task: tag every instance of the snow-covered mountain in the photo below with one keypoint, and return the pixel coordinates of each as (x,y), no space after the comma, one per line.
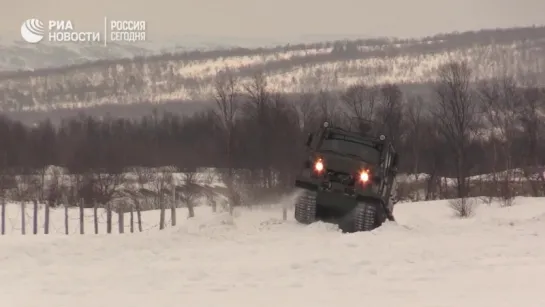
(159,77)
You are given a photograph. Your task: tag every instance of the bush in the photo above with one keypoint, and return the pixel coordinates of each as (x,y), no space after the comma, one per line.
(463,207)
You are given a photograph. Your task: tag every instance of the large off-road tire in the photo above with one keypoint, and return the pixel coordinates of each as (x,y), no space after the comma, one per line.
(367,217)
(305,208)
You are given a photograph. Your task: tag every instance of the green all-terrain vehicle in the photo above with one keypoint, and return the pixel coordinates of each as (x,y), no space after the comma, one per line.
(348,179)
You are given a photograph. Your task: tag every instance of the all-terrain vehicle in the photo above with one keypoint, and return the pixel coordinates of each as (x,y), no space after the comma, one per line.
(348,179)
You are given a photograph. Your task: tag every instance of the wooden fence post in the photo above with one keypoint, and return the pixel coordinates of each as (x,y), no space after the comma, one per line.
(46,218)
(66,230)
(23,218)
(121,217)
(35,217)
(108,218)
(81,218)
(95,216)
(139,215)
(132,219)
(3,216)
(161,210)
(173,209)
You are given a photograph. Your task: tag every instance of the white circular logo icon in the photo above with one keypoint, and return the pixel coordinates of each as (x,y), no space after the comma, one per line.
(32,30)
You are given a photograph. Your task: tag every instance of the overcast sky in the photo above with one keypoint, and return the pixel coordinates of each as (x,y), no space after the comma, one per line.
(280,19)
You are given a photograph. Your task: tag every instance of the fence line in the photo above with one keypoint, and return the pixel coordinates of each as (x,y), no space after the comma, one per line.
(29,218)
(44,219)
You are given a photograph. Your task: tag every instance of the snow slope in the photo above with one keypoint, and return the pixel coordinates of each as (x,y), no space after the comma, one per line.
(255,259)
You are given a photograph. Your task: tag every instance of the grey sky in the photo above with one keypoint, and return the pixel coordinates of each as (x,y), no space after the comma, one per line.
(280,19)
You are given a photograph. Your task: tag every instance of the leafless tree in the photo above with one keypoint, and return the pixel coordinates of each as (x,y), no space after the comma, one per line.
(259,112)
(415,128)
(190,190)
(390,112)
(433,152)
(502,100)
(227,96)
(362,102)
(532,119)
(141,198)
(79,186)
(143,176)
(257,90)
(8,182)
(107,186)
(456,115)
(161,183)
(328,107)
(28,187)
(307,111)
(56,188)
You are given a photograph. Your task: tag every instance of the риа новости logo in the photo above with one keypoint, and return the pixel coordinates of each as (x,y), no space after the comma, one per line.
(32,30)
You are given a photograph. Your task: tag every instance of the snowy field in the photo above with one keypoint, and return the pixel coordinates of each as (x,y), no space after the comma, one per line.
(496,259)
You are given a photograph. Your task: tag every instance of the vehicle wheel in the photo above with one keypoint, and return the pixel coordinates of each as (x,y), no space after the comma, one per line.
(367,217)
(305,208)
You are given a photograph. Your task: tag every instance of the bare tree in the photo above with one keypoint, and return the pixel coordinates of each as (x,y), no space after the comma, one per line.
(415,127)
(327,107)
(257,90)
(143,196)
(161,183)
(28,187)
(80,186)
(143,176)
(433,153)
(390,112)
(107,186)
(8,182)
(532,120)
(56,187)
(259,114)
(456,115)
(362,102)
(307,111)
(501,99)
(190,190)
(227,97)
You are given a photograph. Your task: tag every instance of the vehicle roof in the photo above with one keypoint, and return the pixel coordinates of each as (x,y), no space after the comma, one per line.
(356,135)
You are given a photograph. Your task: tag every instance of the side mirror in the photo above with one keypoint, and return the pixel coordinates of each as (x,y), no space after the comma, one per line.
(309,139)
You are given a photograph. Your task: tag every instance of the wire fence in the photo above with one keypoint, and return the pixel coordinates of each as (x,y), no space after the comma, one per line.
(36,218)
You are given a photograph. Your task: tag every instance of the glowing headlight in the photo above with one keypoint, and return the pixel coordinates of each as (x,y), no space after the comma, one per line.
(364,176)
(319,166)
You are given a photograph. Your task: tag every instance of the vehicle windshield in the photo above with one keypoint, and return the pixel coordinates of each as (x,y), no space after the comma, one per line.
(364,152)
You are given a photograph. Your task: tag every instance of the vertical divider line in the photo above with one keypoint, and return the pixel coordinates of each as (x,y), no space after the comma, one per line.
(105,31)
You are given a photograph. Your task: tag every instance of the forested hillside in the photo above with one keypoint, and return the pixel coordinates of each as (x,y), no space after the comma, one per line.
(254,135)
(328,66)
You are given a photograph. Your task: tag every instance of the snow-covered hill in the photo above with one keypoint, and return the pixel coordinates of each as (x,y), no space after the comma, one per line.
(256,259)
(22,56)
(290,68)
